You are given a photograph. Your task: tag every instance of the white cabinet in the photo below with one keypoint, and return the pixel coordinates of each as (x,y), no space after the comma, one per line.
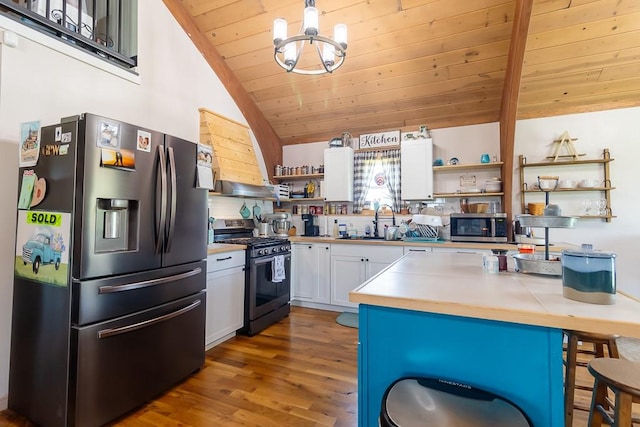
(338,174)
(225,296)
(416,174)
(310,272)
(352,265)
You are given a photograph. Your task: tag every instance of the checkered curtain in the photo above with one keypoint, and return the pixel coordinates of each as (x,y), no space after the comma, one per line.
(391,167)
(363,170)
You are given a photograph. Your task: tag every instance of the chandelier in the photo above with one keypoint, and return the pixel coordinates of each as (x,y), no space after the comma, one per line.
(331,52)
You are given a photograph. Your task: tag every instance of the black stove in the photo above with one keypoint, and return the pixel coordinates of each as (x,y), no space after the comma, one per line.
(267,273)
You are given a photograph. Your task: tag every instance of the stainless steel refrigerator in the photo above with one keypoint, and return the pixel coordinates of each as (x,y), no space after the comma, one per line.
(108,301)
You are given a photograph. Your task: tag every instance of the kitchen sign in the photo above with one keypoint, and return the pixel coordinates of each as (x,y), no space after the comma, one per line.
(382,139)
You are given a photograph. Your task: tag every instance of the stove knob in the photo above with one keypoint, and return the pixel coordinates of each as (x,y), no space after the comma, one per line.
(261,252)
(283,248)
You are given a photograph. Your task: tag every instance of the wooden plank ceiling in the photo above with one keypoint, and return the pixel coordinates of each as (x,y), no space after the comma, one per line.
(435,62)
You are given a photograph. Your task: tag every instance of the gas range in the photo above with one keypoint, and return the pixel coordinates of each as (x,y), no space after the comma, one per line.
(240,232)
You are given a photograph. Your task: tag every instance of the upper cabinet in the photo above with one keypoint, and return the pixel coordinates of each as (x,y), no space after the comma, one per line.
(588,179)
(338,174)
(416,173)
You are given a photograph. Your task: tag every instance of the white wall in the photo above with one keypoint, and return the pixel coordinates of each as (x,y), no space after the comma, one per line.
(42,79)
(613,129)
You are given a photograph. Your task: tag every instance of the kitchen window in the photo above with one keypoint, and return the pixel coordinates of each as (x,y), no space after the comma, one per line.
(377,179)
(104,28)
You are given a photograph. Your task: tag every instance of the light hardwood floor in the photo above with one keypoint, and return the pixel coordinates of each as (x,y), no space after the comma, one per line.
(301,371)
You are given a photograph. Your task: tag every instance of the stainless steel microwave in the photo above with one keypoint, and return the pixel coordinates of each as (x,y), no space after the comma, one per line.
(482,227)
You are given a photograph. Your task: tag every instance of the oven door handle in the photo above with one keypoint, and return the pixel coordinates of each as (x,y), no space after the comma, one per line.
(109,289)
(106,333)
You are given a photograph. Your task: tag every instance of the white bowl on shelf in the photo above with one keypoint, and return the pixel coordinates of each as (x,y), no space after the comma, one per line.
(589,183)
(567,184)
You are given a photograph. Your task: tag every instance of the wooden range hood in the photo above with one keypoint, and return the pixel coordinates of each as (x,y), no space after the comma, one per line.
(235,164)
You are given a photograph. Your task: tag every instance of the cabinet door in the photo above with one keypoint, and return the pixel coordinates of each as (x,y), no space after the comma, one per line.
(323,293)
(303,267)
(225,303)
(347,273)
(416,174)
(338,174)
(311,272)
(378,258)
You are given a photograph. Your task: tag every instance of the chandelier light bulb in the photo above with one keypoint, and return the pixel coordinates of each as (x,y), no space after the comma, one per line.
(328,55)
(340,34)
(290,54)
(310,21)
(279,30)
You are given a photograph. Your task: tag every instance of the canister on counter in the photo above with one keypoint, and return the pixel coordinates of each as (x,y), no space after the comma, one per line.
(589,276)
(333,209)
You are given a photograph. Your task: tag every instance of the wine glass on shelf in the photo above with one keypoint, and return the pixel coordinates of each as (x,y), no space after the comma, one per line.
(586,205)
(601,205)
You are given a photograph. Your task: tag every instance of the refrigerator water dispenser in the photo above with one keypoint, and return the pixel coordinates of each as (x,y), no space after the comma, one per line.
(116,225)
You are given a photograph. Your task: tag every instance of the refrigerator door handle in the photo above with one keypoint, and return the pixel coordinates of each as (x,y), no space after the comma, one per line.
(174,187)
(109,289)
(106,333)
(163,199)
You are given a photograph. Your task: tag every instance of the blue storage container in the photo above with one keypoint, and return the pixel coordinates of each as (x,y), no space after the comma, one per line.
(589,276)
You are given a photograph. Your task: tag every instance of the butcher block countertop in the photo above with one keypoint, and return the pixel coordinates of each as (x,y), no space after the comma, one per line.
(449,283)
(554,247)
(219,248)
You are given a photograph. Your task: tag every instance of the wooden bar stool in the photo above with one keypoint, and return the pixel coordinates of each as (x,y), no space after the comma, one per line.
(623,378)
(571,362)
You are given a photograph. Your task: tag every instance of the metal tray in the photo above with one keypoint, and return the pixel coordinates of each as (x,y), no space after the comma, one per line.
(536,264)
(547,221)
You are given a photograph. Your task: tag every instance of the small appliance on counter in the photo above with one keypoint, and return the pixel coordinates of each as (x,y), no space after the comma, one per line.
(589,276)
(479,227)
(280,224)
(310,229)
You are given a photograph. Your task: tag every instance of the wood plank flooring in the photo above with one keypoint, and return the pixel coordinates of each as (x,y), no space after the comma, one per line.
(301,372)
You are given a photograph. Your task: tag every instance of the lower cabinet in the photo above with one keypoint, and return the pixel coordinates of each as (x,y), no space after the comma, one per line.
(225,296)
(310,272)
(352,265)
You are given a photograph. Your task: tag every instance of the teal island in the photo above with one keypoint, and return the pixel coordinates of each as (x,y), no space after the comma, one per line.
(439,315)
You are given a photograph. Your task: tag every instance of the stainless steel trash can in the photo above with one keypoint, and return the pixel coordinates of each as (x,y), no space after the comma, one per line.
(410,402)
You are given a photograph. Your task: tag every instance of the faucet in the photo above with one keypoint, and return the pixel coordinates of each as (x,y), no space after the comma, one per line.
(375,220)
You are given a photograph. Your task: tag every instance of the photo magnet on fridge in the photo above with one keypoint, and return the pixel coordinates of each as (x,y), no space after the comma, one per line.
(41,247)
(108,135)
(143,141)
(119,159)
(30,144)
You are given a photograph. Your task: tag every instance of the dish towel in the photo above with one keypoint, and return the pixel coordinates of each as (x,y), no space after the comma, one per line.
(277,268)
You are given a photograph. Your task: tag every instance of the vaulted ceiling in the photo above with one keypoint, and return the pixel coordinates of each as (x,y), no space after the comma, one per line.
(436,62)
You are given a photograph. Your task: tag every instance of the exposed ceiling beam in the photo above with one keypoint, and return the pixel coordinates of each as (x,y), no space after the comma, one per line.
(510,95)
(268,140)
